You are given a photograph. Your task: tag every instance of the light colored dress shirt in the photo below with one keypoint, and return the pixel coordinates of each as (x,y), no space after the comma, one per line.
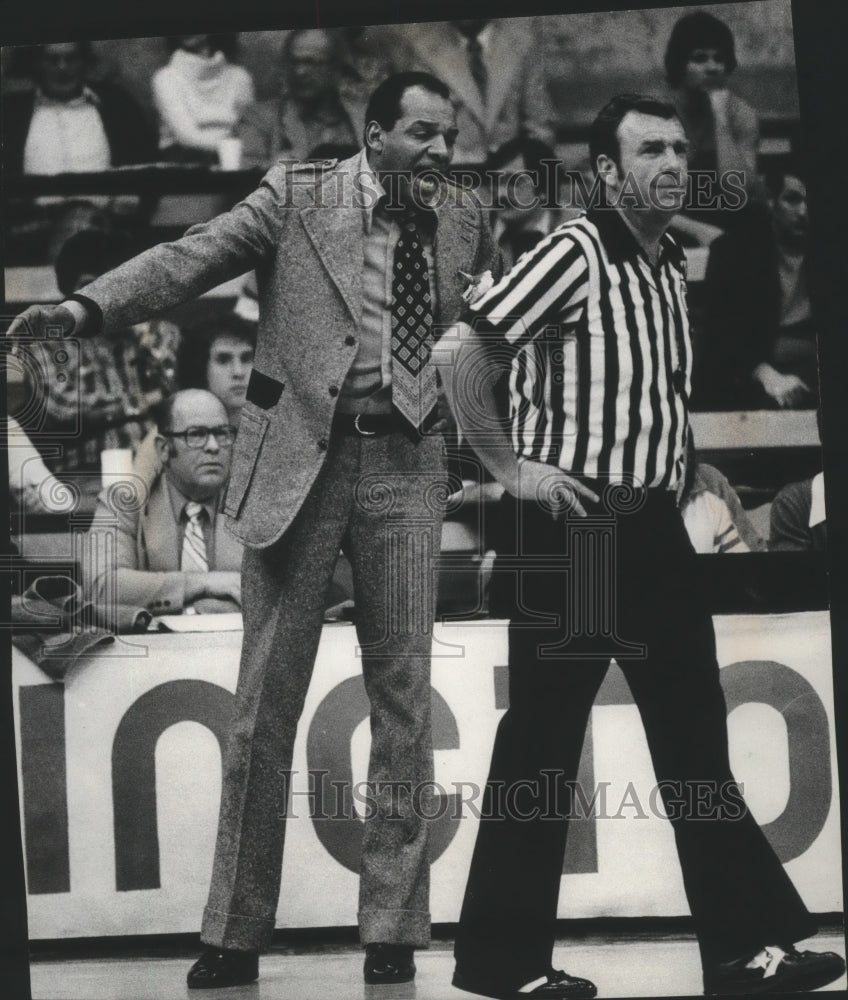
(367,388)
(66,137)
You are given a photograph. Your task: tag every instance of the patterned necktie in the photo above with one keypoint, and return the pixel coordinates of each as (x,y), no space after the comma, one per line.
(477,66)
(194,558)
(414,390)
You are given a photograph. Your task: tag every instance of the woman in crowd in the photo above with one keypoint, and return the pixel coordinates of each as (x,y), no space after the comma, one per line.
(723,130)
(200,95)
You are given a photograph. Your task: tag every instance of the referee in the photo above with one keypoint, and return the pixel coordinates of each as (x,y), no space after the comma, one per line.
(592,327)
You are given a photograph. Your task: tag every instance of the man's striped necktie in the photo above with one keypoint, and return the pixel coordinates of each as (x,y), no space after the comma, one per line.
(194,558)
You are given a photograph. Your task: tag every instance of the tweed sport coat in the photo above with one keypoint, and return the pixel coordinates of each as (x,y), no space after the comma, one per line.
(302,230)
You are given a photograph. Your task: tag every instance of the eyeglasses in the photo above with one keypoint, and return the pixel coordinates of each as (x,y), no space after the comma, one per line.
(196,437)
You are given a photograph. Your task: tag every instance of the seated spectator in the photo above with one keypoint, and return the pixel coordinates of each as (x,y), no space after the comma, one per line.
(66,125)
(713,515)
(312,110)
(218,357)
(495,71)
(759,344)
(525,196)
(97,392)
(200,95)
(172,552)
(369,55)
(798,521)
(723,130)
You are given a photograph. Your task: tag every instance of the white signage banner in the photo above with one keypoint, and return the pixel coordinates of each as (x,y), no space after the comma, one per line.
(120,777)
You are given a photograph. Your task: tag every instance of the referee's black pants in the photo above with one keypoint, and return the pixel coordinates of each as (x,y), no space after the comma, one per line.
(738,893)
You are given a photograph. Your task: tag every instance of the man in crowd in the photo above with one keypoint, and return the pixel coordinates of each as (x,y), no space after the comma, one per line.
(495,70)
(525,196)
(341,416)
(311,112)
(760,346)
(218,356)
(596,323)
(67,125)
(172,552)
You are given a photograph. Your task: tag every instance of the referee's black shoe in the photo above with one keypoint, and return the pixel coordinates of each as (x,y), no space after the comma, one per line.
(558,985)
(774,970)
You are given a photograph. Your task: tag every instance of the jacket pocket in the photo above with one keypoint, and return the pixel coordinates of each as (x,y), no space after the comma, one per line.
(251,432)
(263,390)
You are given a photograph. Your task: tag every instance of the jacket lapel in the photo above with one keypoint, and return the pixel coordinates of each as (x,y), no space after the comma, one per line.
(457,241)
(159,530)
(334,226)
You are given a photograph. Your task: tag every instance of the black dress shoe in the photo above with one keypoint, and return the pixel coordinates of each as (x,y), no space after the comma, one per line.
(559,986)
(388,964)
(792,972)
(219,967)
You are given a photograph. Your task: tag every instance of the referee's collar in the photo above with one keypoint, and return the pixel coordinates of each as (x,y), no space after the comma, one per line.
(620,243)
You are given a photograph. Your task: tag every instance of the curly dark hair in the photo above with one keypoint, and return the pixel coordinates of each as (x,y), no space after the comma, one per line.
(697,31)
(226,42)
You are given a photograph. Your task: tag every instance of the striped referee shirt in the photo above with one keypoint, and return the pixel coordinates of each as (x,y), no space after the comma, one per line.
(601,370)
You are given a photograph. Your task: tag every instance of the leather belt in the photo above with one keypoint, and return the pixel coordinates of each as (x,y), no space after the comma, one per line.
(378,424)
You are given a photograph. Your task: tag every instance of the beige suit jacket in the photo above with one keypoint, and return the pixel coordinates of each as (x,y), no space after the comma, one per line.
(143,568)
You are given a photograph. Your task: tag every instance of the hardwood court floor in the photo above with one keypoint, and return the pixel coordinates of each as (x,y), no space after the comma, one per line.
(631,967)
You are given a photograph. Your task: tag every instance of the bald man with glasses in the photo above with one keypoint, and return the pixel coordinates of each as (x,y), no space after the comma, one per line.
(172,553)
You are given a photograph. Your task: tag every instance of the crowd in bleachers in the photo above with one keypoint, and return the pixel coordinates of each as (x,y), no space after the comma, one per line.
(753,325)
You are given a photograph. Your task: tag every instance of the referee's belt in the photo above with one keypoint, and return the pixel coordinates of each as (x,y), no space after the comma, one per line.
(380,424)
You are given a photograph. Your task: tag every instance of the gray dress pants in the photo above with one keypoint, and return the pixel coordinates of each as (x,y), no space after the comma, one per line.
(381,500)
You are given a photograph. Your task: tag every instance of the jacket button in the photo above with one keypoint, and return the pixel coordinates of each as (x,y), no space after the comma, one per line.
(350,340)
(322,444)
(334,390)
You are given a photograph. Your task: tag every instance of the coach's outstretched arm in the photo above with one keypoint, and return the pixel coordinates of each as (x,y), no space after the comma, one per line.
(470,368)
(171,273)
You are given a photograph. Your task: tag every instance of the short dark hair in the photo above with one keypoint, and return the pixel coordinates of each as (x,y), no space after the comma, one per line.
(196,346)
(531,151)
(603,135)
(89,251)
(697,31)
(775,178)
(384,104)
(226,42)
